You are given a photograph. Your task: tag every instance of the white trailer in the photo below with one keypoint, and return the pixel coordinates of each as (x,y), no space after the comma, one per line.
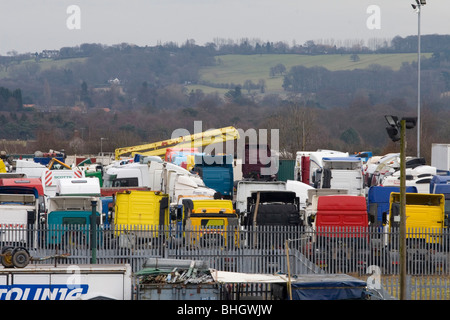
(67,282)
(440,156)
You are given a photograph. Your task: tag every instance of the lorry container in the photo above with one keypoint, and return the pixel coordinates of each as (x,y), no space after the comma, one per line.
(258,163)
(285,170)
(67,282)
(216,172)
(440,156)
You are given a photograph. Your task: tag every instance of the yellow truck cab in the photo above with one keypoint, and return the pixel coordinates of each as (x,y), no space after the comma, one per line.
(208,220)
(137,212)
(425,215)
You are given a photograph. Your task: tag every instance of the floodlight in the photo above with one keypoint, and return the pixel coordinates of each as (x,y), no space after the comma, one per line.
(392,120)
(410,122)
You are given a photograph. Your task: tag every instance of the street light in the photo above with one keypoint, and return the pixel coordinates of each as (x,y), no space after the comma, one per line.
(101,147)
(417,7)
(396,131)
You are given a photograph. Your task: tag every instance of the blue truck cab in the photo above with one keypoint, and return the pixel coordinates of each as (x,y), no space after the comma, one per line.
(216,172)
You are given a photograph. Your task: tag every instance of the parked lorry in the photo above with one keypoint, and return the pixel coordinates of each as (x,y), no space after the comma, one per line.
(340,173)
(273,208)
(158,176)
(341,237)
(378,202)
(439,180)
(258,163)
(307,162)
(65,282)
(426,230)
(50,178)
(308,213)
(424,212)
(216,172)
(244,189)
(445,190)
(19,209)
(419,176)
(137,212)
(29,183)
(208,222)
(341,212)
(74,202)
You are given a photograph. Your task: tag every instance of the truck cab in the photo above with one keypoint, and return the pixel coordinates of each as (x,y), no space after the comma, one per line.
(72,207)
(209,221)
(424,212)
(341,173)
(216,172)
(274,208)
(19,209)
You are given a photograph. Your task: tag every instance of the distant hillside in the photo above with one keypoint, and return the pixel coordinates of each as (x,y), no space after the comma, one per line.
(233,69)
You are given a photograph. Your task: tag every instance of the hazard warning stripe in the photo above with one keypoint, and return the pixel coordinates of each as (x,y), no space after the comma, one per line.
(48,178)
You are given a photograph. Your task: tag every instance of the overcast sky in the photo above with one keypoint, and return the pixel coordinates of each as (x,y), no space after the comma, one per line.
(35,25)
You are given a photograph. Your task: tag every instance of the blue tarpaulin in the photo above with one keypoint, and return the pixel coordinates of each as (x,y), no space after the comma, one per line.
(328,287)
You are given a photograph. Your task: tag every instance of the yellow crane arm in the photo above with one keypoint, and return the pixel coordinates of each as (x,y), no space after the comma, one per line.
(189,141)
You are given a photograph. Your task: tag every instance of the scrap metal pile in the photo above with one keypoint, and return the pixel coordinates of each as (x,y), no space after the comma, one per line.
(174,272)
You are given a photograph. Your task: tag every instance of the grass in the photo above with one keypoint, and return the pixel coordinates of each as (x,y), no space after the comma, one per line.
(426,287)
(44,64)
(239,68)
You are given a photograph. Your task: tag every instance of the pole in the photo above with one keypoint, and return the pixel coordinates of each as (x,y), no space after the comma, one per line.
(93,225)
(418,78)
(402,231)
(289,284)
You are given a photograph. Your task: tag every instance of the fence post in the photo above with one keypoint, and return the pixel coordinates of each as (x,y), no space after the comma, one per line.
(94,232)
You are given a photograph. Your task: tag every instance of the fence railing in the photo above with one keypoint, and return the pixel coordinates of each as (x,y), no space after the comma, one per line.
(266,249)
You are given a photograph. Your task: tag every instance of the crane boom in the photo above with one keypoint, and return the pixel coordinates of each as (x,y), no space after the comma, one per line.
(190,141)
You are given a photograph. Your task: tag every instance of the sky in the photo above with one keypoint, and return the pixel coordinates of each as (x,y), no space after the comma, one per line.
(36,25)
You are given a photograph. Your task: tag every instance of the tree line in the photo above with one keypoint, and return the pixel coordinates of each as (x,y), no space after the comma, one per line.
(151,100)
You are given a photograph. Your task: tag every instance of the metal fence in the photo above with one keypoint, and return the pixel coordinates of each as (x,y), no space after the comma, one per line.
(370,252)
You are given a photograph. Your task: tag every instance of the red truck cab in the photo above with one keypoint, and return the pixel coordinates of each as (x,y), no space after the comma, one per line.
(341,215)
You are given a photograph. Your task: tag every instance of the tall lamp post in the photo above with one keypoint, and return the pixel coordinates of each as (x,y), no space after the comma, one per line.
(396,132)
(101,147)
(417,7)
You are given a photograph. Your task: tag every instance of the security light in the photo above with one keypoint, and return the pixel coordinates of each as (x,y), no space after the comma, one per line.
(410,122)
(392,120)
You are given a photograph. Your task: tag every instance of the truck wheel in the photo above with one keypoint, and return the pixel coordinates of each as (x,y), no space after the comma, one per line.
(20,258)
(7,257)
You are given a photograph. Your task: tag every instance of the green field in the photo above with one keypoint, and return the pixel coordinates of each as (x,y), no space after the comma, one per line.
(239,68)
(44,64)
